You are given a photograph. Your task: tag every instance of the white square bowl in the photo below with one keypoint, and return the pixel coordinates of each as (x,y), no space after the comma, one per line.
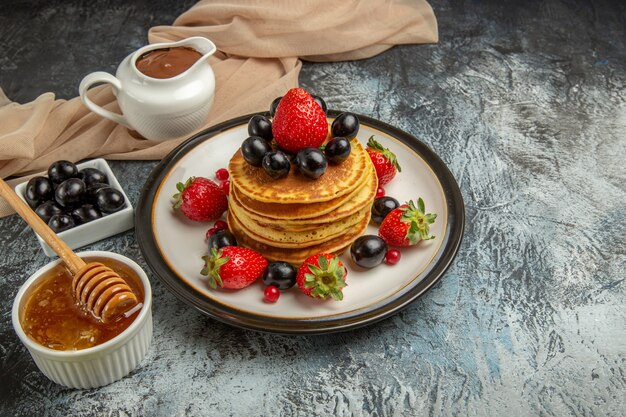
(107,225)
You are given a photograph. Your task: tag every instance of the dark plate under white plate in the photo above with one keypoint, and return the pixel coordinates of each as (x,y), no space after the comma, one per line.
(173,246)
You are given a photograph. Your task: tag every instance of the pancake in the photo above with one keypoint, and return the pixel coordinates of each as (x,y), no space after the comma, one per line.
(359,199)
(288,215)
(297,239)
(338,180)
(297,256)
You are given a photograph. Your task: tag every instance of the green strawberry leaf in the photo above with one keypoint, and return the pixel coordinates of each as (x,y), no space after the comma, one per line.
(418,221)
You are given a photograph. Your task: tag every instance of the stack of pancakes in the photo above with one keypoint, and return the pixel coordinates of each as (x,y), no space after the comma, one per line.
(292,218)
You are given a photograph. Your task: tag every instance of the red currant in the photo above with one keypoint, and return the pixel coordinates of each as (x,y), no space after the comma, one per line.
(225,187)
(220,225)
(271,293)
(380,192)
(210,232)
(221,174)
(392,257)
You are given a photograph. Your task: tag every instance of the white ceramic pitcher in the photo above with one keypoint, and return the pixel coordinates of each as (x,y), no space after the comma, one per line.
(159,108)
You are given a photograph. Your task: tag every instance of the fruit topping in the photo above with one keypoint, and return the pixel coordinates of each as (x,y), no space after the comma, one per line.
(85,214)
(220,225)
(385,162)
(276,164)
(200,199)
(368,251)
(299,122)
(345,125)
(225,186)
(260,126)
(48,209)
(380,192)
(393,257)
(70,193)
(38,190)
(274,105)
(322,276)
(92,176)
(233,267)
(311,162)
(221,174)
(282,275)
(407,225)
(60,171)
(321,102)
(383,206)
(220,238)
(109,200)
(254,149)
(271,294)
(61,222)
(210,232)
(337,149)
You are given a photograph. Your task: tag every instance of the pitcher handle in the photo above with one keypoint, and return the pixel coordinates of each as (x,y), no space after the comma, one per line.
(96,78)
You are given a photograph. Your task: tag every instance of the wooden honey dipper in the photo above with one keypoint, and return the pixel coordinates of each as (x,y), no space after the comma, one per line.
(95,286)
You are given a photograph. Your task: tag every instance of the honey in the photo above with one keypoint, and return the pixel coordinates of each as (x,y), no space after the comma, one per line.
(54,319)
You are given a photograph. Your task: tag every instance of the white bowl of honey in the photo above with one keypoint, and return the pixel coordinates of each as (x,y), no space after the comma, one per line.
(68,344)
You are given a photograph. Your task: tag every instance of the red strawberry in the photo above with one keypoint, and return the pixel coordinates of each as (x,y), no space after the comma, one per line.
(233,267)
(385,161)
(322,276)
(200,199)
(299,122)
(407,225)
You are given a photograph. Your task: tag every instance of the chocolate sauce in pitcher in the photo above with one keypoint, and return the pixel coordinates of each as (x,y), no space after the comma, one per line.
(167,62)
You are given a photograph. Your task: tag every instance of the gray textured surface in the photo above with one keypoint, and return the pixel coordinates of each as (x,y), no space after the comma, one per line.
(526,103)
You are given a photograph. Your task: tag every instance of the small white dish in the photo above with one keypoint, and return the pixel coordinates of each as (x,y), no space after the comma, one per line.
(99,365)
(106,226)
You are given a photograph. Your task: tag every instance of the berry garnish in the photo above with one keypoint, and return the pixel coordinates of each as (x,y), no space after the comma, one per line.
(392,257)
(220,225)
(271,294)
(254,149)
(38,190)
(233,267)
(299,122)
(322,276)
(210,232)
(109,200)
(260,126)
(383,206)
(70,193)
(276,164)
(380,192)
(61,222)
(85,214)
(92,176)
(200,199)
(274,105)
(311,162)
(220,238)
(48,209)
(368,251)
(280,274)
(407,225)
(337,149)
(225,186)
(321,102)
(221,174)
(345,125)
(385,162)
(60,171)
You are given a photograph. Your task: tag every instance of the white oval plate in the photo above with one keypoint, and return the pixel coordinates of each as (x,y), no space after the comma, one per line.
(173,245)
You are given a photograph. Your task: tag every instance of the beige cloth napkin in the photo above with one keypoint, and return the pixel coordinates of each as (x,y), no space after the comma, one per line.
(259,42)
